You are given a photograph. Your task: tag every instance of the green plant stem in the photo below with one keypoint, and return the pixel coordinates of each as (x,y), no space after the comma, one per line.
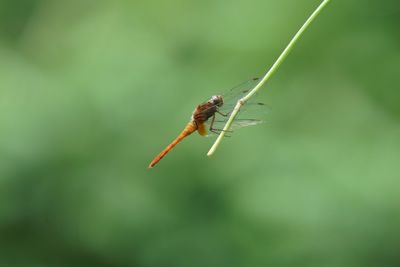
(267,76)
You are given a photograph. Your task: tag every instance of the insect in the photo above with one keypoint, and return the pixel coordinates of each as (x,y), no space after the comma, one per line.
(209,117)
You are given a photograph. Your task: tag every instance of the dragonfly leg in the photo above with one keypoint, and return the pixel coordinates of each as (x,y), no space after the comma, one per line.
(220,130)
(214,130)
(225,115)
(212,123)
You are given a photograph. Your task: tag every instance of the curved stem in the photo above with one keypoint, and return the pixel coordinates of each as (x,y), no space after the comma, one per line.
(267,76)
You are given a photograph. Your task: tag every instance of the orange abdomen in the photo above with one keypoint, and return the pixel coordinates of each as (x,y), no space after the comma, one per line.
(189,129)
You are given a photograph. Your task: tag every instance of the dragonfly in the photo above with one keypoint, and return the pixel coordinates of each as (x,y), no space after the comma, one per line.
(209,117)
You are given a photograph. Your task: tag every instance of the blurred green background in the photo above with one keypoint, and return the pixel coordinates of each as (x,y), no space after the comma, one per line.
(91,91)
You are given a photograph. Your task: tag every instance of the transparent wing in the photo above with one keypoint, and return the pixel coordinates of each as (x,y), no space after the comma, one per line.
(233,95)
(250,114)
(237,92)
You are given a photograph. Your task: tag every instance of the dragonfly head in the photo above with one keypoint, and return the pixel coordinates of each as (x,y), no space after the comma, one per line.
(217,100)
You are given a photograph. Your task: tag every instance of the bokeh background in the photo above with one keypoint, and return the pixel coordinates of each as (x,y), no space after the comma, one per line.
(91,91)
